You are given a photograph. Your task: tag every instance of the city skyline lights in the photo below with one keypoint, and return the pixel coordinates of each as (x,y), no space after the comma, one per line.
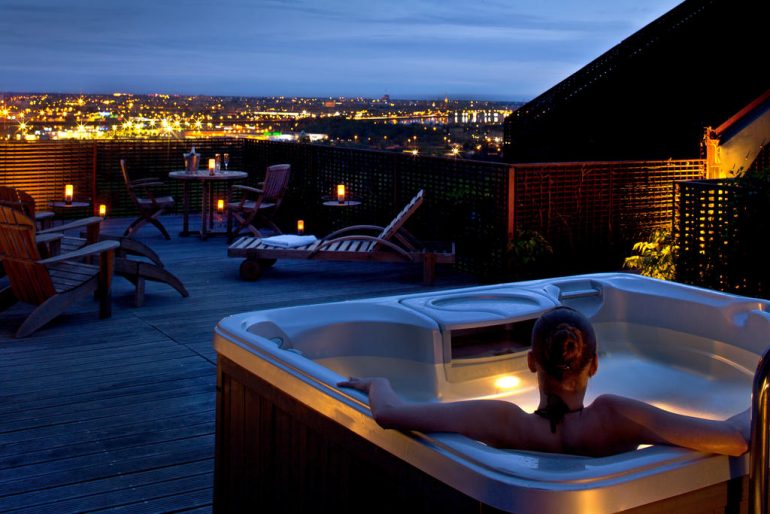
(440,127)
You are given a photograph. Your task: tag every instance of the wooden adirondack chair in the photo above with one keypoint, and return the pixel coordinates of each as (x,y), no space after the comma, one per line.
(390,244)
(150,206)
(255,204)
(23,202)
(54,283)
(11,196)
(136,271)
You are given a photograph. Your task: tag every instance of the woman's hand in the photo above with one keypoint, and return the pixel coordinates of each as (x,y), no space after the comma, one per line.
(361,384)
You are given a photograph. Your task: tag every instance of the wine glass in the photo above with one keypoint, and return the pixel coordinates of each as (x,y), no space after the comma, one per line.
(226,160)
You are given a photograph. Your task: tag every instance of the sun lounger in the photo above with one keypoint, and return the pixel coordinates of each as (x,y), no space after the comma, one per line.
(357,243)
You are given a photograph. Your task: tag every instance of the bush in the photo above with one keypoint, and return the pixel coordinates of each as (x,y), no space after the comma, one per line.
(655,257)
(528,255)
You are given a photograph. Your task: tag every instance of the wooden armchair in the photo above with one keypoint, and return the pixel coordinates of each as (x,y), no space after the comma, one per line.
(24,203)
(150,206)
(54,283)
(257,205)
(147,265)
(11,196)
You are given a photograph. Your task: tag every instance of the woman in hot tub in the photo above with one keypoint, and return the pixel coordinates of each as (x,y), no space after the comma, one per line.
(564,357)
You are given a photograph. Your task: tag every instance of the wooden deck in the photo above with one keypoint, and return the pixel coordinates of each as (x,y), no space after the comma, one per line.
(118,414)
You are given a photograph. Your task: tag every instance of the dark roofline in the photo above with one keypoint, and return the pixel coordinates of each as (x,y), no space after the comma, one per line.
(600,68)
(764,97)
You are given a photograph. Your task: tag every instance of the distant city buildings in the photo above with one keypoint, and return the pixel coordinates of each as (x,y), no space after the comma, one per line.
(433,127)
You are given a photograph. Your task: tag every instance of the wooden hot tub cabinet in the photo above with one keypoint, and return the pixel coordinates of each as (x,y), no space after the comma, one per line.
(274,454)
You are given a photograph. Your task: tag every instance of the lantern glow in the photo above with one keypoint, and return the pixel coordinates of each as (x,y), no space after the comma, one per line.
(341,193)
(507,382)
(69,190)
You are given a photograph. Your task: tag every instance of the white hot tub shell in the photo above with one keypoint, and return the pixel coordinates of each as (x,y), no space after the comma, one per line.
(682,348)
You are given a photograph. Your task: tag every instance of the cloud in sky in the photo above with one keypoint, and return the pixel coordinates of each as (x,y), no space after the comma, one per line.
(487,48)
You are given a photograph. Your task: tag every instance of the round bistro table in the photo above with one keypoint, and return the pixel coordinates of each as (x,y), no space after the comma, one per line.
(206,181)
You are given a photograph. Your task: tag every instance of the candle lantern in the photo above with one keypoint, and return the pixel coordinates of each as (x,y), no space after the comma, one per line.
(300,227)
(102,210)
(341,193)
(212,166)
(68,193)
(220,206)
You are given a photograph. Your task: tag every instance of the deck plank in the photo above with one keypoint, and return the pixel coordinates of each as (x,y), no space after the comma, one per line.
(118,415)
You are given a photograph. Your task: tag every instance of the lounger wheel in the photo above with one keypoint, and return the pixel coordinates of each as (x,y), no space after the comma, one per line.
(250,270)
(266,263)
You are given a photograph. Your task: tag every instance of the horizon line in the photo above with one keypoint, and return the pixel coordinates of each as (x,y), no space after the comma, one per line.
(456,97)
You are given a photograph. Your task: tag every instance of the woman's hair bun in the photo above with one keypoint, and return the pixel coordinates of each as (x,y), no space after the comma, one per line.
(563,341)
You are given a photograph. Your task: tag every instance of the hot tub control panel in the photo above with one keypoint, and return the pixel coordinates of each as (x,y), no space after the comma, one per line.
(485,332)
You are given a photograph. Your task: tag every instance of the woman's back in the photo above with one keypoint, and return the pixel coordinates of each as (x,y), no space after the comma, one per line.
(614,424)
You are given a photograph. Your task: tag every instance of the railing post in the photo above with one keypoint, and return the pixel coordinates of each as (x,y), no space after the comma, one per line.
(94,199)
(758,468)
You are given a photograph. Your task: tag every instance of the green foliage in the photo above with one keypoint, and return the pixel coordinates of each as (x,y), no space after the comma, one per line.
(656,257)
(528,254)
(528,247)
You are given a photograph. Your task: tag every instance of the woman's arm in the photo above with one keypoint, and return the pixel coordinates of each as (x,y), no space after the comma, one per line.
(492,422)
(657,426)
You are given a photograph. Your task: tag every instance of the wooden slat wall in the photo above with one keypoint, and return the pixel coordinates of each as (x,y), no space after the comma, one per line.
(722,232)
(43,168)
(597,210)
(575,206)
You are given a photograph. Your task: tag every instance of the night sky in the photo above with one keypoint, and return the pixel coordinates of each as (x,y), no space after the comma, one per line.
(485,49)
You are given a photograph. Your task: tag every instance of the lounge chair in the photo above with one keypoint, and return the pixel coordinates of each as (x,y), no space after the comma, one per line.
(150,206)
(257,205)
(390,244)
(136,271)
(54,283)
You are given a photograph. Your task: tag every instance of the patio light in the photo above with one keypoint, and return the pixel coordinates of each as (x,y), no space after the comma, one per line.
(220,206)
(341,193)
(68,193)
(102,210)
(300,227)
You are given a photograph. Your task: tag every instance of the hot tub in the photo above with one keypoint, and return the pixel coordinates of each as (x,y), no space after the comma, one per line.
(288,439)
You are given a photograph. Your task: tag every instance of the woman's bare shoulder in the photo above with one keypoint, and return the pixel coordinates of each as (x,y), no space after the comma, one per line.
(608,427)
(616,403)
(623,416)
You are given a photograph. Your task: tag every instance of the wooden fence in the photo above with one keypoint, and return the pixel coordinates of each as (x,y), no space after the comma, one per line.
(590,213)
(43,169)
(597,210)
(722,226)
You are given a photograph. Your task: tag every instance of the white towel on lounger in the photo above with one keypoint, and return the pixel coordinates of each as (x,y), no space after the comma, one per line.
(289,240)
